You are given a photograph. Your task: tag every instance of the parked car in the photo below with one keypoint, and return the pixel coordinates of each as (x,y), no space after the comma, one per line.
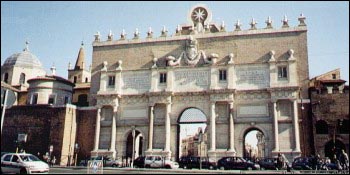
(159,162)
(194,162)
(238,163)
(268,164)
(22,163)
(302,163)
(139,162)
(107,161)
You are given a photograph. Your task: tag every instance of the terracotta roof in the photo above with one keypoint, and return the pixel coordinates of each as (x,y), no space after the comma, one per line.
(7,86)
(333,81)
(53,78)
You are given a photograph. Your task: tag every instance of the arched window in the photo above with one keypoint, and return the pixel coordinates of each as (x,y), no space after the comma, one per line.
(321,127)
(22,78)
(6,77)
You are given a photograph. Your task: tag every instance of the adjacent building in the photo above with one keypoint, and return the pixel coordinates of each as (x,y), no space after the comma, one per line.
(330,114)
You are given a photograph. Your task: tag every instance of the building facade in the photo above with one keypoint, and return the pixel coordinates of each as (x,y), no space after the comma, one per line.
(242,80)
(330,114)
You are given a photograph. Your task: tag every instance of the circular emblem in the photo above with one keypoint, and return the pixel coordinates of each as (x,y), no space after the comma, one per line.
(199,14)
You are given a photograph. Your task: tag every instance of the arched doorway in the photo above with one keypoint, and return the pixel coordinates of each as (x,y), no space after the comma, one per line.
(191,133)
(138,145)
(333,147)
(253,144)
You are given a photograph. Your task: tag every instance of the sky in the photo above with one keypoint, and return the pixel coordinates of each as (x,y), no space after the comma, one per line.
(55,30)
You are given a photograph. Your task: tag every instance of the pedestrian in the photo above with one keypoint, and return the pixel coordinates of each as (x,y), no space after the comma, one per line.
(280,161)
(344,160)
(53,161)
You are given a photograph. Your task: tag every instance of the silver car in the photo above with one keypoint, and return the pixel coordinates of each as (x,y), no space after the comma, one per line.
(22,163)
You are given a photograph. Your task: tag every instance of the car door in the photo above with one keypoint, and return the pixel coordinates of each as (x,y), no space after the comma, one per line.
(15,165)
(239,163)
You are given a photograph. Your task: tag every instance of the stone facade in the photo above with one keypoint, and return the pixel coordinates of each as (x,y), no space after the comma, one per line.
(146,84)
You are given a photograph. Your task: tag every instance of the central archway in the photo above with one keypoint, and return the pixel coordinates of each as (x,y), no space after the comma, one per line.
(253,144)
(191,130)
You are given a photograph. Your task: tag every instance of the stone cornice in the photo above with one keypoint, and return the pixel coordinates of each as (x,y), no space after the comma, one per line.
(200,36)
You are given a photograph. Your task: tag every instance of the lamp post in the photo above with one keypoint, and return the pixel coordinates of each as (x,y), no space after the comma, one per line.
(76,153)
(133,147)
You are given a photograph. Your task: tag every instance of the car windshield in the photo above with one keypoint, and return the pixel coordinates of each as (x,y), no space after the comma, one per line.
(29,158)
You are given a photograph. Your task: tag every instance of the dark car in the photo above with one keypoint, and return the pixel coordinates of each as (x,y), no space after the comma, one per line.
(194,162)
(268,164)
(139,162)
(302,163)
(236,163)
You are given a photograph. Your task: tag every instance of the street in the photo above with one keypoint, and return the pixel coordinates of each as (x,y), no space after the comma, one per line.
(108,170)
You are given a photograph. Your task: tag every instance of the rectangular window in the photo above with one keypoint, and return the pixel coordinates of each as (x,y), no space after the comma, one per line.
(111,80)
(282,72)
(162,78)
(334,76)
(35,99)
(222,75)
(52,99)
(66,100)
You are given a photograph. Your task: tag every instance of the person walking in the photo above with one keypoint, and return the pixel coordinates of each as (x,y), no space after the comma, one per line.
(344,160)
(280,161)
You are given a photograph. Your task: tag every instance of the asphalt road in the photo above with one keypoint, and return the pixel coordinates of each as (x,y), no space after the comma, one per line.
(83,170)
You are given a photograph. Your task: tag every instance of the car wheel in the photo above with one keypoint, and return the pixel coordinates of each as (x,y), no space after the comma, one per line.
(114,165)
(23,171)
(185,167)
(147,166)
(211,167)
(262,168)
(250,168)
(167,167)
(222,168)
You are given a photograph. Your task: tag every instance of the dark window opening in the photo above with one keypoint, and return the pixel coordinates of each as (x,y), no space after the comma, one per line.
(334,76)
(111,80)
(86,80)
(75,79)
(162,78)
(282,72)
(343,126)
(35,99)
(321,127)
(222,75)
(6,78)
(22,78)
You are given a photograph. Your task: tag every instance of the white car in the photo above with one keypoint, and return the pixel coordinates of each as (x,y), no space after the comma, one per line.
(159,162)
(22,163)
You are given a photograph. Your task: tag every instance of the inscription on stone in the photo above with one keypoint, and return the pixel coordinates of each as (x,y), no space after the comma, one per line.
(251,77)
(194,78)
(139,81)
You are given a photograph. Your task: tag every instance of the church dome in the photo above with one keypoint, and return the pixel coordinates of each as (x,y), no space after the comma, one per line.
(23,59)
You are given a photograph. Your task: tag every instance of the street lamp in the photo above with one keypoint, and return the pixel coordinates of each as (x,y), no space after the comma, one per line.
(133,147)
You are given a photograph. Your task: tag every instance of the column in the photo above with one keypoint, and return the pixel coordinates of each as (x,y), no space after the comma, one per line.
(167,127)
(114,131)
(232,129)
(275,125)
(212,127)
(296,126)
(97,130)
(150,129)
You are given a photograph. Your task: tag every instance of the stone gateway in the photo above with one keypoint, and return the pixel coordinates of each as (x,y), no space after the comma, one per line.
(241,80)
